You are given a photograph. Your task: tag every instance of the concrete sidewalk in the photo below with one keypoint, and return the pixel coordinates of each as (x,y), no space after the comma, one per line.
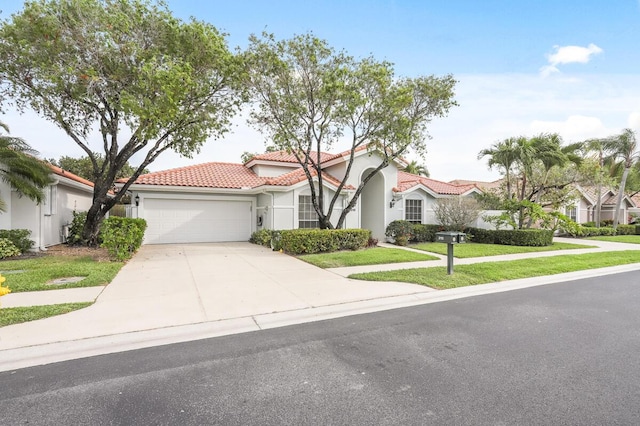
(173,293)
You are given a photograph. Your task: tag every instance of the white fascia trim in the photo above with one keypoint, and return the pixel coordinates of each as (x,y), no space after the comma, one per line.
(252,163)
(72,183)
(193,189)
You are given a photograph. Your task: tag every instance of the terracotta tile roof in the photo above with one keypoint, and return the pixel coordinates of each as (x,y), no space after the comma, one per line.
(478,183)
(636,199)
(407,181)
(287,157)
(65,173)
(224,175)
(207,175)
(298,176)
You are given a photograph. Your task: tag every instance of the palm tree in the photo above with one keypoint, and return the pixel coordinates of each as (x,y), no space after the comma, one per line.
(416,169)
(21,169)
(504,155)
(622,149)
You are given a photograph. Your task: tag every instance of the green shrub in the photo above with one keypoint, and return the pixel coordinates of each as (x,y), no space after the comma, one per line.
(482,236)
(262,237)
(637,229)
(19,238)
(626,230)
(424,233)
(512,237)
(122,236)
(524,237)
(75,229)
(8,249)
(400,230)
(585,231)
(308,241)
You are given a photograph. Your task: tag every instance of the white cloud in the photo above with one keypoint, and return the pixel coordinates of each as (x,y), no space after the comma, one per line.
(568,55)
(575,127)
(633,122)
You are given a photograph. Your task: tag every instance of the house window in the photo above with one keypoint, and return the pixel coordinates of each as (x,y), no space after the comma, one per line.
(413,211)
(571,213)
(307,216)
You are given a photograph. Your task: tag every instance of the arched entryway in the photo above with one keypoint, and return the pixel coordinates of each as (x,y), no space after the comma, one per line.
(372,205)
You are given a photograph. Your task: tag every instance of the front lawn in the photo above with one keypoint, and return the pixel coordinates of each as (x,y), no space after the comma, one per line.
(480,250)
(372,256)
(632,239)
(33,274)
(481,273)
(9,316)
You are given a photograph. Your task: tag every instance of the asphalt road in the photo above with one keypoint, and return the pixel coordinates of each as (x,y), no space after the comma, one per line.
(561,354)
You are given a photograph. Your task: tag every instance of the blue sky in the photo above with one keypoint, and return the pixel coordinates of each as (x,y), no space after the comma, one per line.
(524,67)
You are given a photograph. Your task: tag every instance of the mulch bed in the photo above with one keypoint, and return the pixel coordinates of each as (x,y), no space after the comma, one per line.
(97,253)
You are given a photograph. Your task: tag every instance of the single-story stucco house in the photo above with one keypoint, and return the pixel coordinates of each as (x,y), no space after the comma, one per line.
(47,221)
(217,202)
(584,207)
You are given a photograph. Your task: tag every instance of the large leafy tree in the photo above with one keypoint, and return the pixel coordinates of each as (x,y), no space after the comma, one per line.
(622,149)
(308,96)
(20,167)
(83,166)
(114,65)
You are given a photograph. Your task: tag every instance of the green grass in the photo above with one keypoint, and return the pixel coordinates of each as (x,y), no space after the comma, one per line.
(480,273)
(372,256)
(10,316)
(633,239)
(38,271)
(481,250)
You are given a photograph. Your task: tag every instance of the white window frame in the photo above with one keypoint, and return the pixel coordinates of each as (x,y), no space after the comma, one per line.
(307,216)
(413,213)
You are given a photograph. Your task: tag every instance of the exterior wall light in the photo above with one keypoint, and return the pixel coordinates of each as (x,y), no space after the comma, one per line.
(137,200)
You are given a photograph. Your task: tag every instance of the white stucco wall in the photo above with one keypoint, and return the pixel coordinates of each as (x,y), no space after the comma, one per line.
(264,170)
(5,195)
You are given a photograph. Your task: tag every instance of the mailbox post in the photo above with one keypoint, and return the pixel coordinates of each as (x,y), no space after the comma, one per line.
(451,238)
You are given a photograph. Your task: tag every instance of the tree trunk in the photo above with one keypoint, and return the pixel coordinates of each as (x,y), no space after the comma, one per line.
(91,229)
(598,205)
(623,183)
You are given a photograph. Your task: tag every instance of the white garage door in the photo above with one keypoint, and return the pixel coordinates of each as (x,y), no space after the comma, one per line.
(196,221)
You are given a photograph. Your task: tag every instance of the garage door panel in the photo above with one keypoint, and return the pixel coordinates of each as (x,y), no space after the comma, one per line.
(186,221)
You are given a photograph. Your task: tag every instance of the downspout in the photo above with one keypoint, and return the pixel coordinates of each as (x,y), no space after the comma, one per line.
(271,216)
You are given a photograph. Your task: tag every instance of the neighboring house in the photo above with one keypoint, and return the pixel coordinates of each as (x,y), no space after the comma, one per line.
(215,202)
(584,207)
(47,221)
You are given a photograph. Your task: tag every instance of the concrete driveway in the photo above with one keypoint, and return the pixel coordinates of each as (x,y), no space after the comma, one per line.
(179,284)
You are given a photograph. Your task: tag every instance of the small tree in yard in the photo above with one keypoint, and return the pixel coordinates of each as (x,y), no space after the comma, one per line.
(308,96)
(109,65)
(456,213)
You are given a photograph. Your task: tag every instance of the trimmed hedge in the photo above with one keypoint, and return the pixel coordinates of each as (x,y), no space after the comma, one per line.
(587,231)
(122,236)
(308,241)
(19,238)
(512,237)
(637,229)
(481,236)
(626,230)
(425,233)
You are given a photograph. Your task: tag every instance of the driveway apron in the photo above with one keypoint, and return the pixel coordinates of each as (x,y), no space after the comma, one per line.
(179,284)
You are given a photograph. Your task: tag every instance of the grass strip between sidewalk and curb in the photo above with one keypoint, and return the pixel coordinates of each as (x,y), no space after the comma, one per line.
(629,239)
(470,250)
(9,316)
(371,256)
(33,274)
(487,272)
